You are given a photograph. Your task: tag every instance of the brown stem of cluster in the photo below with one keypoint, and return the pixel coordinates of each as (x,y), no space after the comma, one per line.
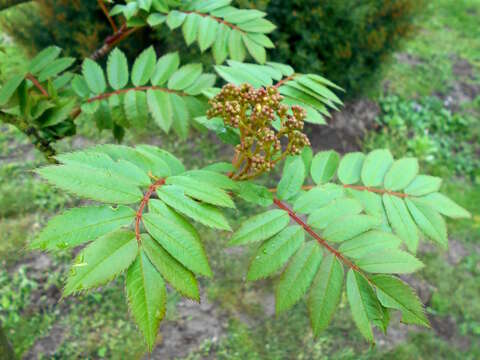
(359,188)
(313,234)
(37,84)
(283,81)
(101,3)
(220,20)
(146,198)
(112,41)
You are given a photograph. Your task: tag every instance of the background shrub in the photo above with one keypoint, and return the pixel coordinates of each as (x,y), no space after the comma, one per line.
(345,40)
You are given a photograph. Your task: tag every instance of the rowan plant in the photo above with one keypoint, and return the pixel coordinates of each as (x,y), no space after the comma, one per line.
(333,223)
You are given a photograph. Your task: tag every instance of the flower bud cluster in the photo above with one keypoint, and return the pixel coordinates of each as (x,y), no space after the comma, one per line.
(253,111)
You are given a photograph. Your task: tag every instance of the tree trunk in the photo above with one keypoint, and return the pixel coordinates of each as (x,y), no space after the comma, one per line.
(5,4)
(6,350)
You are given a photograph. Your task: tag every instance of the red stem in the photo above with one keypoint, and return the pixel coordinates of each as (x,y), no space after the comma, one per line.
(37,84)
(138,88)
(283,81)
(313,234)
(105,11)
(357,187)
(146,198)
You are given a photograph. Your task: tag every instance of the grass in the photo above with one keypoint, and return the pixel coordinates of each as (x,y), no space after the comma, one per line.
(97,324)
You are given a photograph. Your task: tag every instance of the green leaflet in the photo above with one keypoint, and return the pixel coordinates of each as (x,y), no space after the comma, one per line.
(317,197)
(394,293)
(275,252)
(260,227)
(190,27)
(220,50)
(80,225)
(203,82)
(213,178)
(202,191)
(181,241)
(9,88)
(373,205)
(256,50)
(390,261)
(350,168)
(156,19)
(206,214)
(445,206)
(165,67)
(236,48)
(207,32)
(174,164)
(335,210)
(185,76)
(429,221)
(363,302)
(94,76)
(401,174)
(292,178)
(175,19)
(401,221)
(180,115)
(43,58)
(95,184)
(159,163)
(136,108)
(254,193)
(55,68)
(143,67)
(182,279)
(349,227)
(324,166)
(423,185)
(298,276)
(117,69)
(325,293)
(121,169)
(160,107)
(257,26)
(147,297)
(375,167)
(372,241)
(102,261)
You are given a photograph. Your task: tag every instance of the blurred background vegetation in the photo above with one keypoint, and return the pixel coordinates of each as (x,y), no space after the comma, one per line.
(412,74)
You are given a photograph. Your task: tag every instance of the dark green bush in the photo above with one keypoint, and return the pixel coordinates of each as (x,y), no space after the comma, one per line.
(77,26)
(344,39)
